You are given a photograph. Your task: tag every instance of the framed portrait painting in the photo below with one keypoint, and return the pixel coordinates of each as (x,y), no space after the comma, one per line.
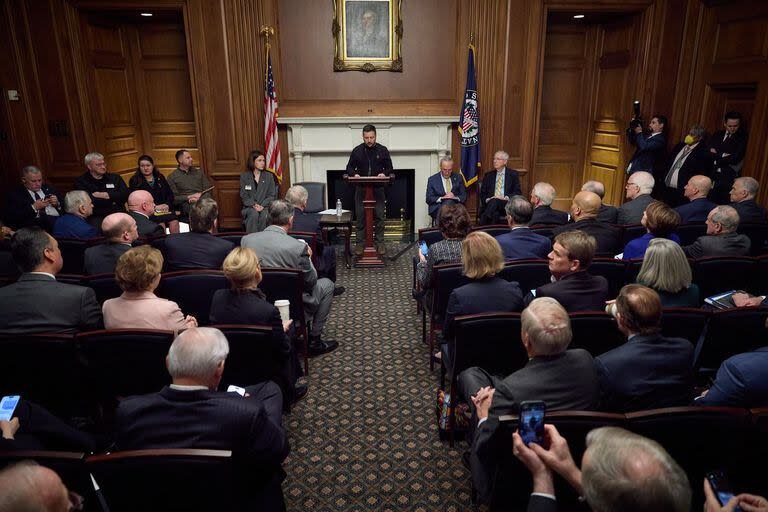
(367,35)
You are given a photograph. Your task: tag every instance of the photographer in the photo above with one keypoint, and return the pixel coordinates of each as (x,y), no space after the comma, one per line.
(651,150)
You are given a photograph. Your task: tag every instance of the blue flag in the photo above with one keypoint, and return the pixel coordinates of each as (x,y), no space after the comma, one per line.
(469,126)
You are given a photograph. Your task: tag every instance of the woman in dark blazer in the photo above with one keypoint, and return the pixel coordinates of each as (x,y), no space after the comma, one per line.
(257,190)
(245,304)
(150,179)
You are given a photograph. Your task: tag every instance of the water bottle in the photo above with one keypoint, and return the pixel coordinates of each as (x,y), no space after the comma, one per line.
(338,207)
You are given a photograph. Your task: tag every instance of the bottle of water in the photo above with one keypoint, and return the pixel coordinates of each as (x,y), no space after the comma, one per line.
(338,207)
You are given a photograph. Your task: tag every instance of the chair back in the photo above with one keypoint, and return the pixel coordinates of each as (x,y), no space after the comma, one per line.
(104,285)
(310,239)
(688,233)
(630,232)
(490,341)
(430,235)
(316,196)
(529,274)
(70,466)
(232,236)
(720,274)
(73,253)
(758,235)
(493,229)
(730,332)
(544,229)
(288,283)
(686,323)
(70,278)
(595,331)
(446,278)
(613,270)
(192,290)
(254,356)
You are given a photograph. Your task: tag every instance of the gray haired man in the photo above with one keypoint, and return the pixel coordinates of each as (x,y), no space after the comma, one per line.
(108,191)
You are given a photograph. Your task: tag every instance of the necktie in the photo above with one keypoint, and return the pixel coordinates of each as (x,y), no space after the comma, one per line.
(499,191)
(447,184)
(671,179)
(39,194)
(727,136)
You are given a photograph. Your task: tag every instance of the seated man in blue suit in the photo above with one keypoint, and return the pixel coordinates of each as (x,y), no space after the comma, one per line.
(696,191)
(649,371)
(522,243)
(444,187)
(741,381)
(78,205)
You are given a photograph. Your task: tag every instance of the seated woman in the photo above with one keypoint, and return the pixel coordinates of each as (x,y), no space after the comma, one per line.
(660,221)
(245,304)
(150,179)
(257,190)
(138,274)
(481,258)
(453,222)
(665,269)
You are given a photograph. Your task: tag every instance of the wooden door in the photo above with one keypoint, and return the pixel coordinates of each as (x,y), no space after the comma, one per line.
(566,88)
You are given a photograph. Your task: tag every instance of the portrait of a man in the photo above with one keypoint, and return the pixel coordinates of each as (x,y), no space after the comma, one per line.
(367,29)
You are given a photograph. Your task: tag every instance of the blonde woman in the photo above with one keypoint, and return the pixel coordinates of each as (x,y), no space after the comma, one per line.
(666,270)
(138,274)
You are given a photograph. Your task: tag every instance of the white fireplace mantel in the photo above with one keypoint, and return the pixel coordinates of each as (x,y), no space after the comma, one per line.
(319,144)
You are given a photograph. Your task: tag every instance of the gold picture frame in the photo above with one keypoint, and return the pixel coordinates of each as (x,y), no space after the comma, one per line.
(367,35)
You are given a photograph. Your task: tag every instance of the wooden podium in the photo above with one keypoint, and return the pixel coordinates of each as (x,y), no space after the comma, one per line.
(370,257)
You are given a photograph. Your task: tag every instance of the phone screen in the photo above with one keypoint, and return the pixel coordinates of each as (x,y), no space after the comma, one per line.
(532,421)
(424,249)
(722,487)
(7,406)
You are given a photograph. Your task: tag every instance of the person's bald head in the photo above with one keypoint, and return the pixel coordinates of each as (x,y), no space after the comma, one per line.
(585,205)
(697,187)
(120,228)
(30,487)
(141,201)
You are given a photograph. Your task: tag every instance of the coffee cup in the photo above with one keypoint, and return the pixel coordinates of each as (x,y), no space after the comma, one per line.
(284,306)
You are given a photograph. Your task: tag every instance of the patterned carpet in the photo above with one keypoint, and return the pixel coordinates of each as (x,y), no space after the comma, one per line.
(365,437)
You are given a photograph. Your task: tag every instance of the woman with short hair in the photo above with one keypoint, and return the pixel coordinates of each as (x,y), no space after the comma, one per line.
(138,274)
(454,223)
(666,270)
(660,221)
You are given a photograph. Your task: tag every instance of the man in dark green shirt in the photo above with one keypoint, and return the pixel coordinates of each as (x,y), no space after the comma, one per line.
(187,183)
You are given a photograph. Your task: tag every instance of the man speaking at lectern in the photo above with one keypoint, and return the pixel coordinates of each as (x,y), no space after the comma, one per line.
(369,159)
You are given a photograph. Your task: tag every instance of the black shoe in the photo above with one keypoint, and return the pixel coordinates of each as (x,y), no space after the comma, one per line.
(465,460)
(318,347)
(338,291)
(299,392)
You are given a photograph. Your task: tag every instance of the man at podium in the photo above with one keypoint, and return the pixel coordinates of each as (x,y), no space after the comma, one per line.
(369,159)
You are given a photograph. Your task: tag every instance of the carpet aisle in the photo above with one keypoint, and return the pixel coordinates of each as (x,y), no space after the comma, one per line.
(365,437)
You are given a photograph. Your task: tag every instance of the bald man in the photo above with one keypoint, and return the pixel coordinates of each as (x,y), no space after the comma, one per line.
(29,486)
(120,230)
(141,206)
(696,191)
(584,211)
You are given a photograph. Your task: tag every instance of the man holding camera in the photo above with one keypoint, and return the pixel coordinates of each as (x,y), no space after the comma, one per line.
(651,150)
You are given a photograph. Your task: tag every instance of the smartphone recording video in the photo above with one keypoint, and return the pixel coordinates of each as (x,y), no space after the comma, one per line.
(532,421)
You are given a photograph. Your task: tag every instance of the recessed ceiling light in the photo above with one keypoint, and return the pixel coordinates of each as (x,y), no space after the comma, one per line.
(578,16)
(146,14)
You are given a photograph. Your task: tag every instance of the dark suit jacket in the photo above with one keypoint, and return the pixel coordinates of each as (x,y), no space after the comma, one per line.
(647,372)
(735,147)
(435,191)
(511,188)
(579,291)
(608,237)
(729,244)
(632,212)
(522,243)
(146,226)
(741,381)
(695,211)
(566,381)
(19,212)
(650,152)
(750,211)
(481,296)
(72,226)
(195,250)
(102,258)
(207,419)
(37,303)
(607,213)
(541,504)
(699,161)
(548,215)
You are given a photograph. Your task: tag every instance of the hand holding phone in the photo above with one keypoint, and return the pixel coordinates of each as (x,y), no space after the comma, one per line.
(424,249)
(532,421)
(8,406)
(721,487)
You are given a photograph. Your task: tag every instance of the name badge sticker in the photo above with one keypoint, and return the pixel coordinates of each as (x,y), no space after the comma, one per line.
(248,187)
(110,185)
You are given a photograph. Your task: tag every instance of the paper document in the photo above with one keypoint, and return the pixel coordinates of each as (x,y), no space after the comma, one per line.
(332,211)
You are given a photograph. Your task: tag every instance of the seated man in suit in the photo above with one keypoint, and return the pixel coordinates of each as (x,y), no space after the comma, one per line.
(650,150)
(310,223)
(687,159)
(29,486)
(32,203)
(620,470)
(444,187)
(198,248)
(639,188)
(78,205)
(522,243)
(721,238)
(572,286)
(649,371)
(696,191)
(141,206)
(497,187)
(37,302)
(120,230)
(743,195)
(564,379)
(276,248)
(191,413)
(606,212)
(542,196)
(584,212)
(741,381)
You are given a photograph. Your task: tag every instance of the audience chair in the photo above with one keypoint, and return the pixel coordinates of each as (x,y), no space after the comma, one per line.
(232,236)
(169,480)
(288,283)
(493,229)
(316,196)
(429,235)
(686,323)
(70,278)
(613,270)
(595,331)
(762,274)
(629,233)
(758,235)
(529,274)
(755,480)
(192,290)
(104,285)
(445,278)
(73,253)
(730,332)
(544,229)
(310,239)
(720,274)
(688,233)
(632,269)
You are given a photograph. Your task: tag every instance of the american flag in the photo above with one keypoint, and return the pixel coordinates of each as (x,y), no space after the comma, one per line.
(272,147)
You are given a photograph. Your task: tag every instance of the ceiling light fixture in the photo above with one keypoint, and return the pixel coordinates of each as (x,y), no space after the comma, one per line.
(578,16)
(146,14)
